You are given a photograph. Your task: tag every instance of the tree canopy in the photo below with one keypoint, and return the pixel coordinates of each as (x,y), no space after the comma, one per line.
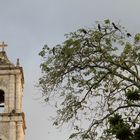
(93,79)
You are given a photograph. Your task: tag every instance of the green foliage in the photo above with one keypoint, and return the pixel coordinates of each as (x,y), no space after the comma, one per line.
(123,133)
(107,21)
(133,94)
(93,79)
(128,48)
(137,38)
(115,120)
(119,128)
(136,134)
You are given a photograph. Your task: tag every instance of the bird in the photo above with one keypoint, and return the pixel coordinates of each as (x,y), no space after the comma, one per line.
(99,27)
(53,50)
(115,27)
(105,30)
(129,118)
(84,31)
(133,123)
(128,35)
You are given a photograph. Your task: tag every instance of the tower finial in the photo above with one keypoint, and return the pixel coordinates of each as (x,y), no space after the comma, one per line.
(18,64)
(3,45)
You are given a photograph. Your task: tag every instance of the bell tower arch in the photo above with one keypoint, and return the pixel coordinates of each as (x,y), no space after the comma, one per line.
(12,118)
(2,100)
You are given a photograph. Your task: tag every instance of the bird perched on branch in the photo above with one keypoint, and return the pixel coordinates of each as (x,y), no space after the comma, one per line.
(84,31)
(129,118)
(53,50)
(105,30)
(134,124)
(99,27)
(128,35)
(115,27)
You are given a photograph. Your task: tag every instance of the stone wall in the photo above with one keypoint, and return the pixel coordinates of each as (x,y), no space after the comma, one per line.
(12,121)
(4,127)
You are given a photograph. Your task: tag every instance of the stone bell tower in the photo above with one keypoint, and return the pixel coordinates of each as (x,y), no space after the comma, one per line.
(12,119)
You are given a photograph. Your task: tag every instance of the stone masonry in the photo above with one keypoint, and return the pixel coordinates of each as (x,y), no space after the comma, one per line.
(12,119)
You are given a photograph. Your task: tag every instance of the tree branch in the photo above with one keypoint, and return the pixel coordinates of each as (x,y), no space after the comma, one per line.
(108,115)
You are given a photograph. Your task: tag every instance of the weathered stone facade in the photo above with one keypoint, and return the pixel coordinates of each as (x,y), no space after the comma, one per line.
(12,119)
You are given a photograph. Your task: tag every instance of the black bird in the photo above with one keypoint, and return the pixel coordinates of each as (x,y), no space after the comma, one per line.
(84,31)
(128,35)
(105,30)
(99,27)
(53,50)
(115,27)
(129,118)
(133,124)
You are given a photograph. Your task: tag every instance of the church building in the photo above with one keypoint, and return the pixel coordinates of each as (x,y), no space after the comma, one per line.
(12,118)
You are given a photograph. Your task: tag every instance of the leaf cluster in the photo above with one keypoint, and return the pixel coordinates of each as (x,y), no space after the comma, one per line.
(119,128)
(133,94)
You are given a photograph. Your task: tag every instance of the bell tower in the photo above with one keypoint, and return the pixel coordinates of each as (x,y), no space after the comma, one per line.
(12,119)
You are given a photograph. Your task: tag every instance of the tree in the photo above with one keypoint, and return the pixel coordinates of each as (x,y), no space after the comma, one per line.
(93,79)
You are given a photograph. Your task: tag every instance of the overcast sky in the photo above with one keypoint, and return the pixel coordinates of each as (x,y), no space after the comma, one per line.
(26,25)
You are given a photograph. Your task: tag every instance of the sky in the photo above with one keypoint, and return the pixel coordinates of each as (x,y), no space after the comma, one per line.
(26,25)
